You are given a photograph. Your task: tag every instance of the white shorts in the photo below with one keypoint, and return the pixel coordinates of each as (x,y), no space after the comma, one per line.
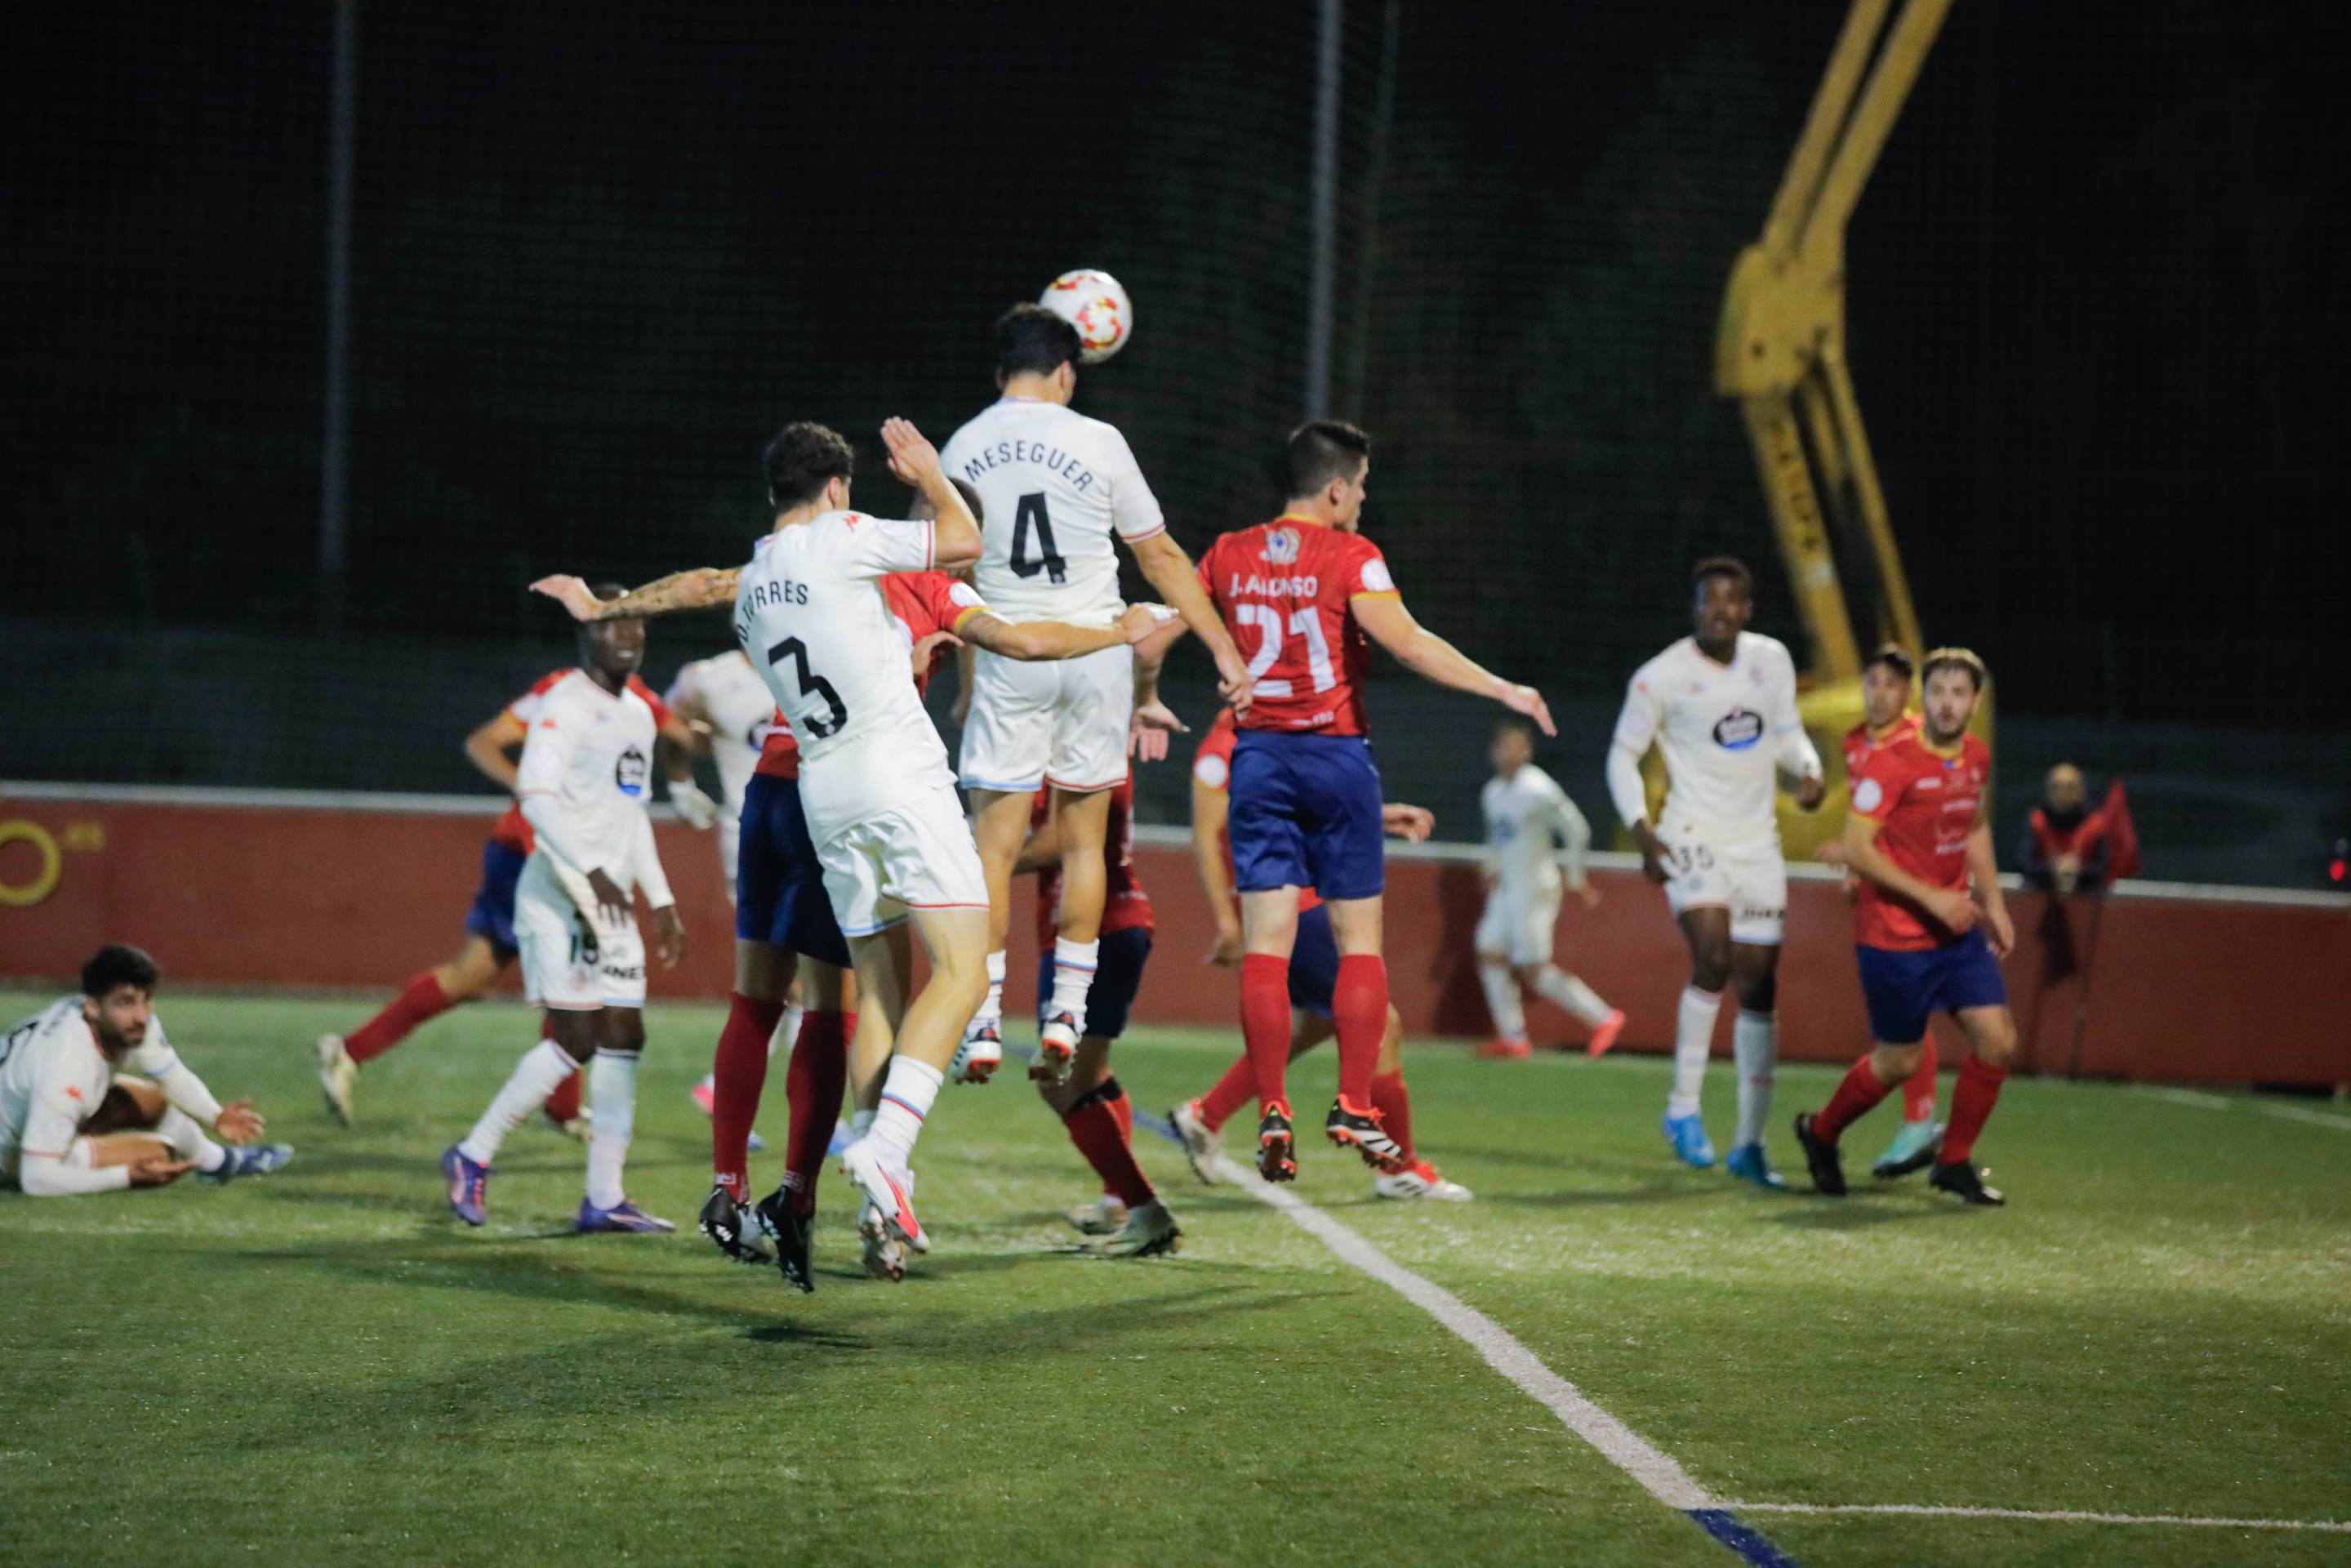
(570,960)
(1519,924)
(1748,876)
(1061,721)
(916,856)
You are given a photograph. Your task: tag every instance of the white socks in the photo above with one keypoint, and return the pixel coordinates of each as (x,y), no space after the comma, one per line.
(907,1097)
(1755,1045)
(1502,1000)
(612,1097)
(188,1141)
(538,1075)
(1073,977)
(1569,994)
(1693,1038)
(991,1011)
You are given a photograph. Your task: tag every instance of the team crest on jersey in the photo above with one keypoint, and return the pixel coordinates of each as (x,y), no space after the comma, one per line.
(1281,546)
(628,772)
(1738,729)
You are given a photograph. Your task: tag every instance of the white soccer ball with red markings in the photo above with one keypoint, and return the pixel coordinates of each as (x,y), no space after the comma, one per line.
(1095,304)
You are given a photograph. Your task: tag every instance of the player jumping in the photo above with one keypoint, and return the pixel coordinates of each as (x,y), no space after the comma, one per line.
(1529,821)
(1930,927)
(1721,705)
(1057,487)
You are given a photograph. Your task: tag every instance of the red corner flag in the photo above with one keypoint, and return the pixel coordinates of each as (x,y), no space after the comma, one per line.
(2122,835)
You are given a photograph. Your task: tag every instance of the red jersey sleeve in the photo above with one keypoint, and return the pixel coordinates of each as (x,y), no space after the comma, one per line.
(653,701)
(1884,776)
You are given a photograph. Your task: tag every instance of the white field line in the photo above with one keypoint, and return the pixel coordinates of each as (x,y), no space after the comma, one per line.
(2196,1097)
(2313,1118)
(2052,1515)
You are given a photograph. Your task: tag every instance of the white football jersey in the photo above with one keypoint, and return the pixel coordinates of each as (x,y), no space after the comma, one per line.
(1529,819)
(740,709)
(585,777)
(52,1076)
(1053,486)
(1720,728)
(810,615)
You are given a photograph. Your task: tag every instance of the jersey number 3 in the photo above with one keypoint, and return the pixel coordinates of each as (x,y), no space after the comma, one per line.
(811,684)
(1308,624)
(1032,514)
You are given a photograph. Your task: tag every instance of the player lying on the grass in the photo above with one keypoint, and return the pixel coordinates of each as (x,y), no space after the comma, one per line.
(1720,704)
(1313,977)
(582,784)
(1130,1217)
(1886,718)
(74,1120)
(489,946)
(1533,830)
(1929,926)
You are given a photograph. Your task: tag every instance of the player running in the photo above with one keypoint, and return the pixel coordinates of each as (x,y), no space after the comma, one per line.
(1721,705)
(1057,487)
(1533,829)
(582,785)
(1885,718)
(1929,927)
(73,1120)
(489,946)
(1305,791)
(1313,975)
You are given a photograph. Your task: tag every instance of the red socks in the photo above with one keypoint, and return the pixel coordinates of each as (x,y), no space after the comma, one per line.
(1123,1109)
(1919,1088)
(1359,1011)
(419,999)
(1096,1125)
(1859,1092)
(1393,1100)
(814,1084)
(1232,1091)
(1265,1024)
(740,1069)
(1971,1103)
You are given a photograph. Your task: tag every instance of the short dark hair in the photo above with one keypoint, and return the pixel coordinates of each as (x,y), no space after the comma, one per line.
(1029,337)
(1729,566)
(802,459)
(1322,450)
(1894,658)
(1956,659)
(119,964)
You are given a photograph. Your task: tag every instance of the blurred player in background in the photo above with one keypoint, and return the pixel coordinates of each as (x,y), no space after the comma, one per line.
(1057,487)
(583,784)
(1533,829)
(1305,791)
(74,1120)
(1721,705)
(1313,978)
(1886,718)
(1930,927)
(489,946)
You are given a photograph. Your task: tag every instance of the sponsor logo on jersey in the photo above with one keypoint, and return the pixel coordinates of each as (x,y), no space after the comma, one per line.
(1738,729)
(1281,545)
(628,772)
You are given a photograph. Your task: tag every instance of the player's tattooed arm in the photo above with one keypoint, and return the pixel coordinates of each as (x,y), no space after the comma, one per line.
(699,588)
(1431,657)
(490,747)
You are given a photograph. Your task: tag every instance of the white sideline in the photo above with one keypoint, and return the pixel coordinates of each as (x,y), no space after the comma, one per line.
(2312,1118)
(2056,1515)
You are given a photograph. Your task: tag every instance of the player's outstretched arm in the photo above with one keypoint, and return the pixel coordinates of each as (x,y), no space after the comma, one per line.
(1043,640)
(1949,906)
(955,539)
(1431,657)
(1168,569)
(698,588)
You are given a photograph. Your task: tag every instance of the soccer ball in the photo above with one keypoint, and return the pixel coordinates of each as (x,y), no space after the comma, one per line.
(1097,307)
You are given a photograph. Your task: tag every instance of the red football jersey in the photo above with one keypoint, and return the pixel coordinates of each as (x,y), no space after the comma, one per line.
(1126,906)
(1212,765)
(924,603)
(511,829)
(1928,803)
(1859,746)
(1287,591)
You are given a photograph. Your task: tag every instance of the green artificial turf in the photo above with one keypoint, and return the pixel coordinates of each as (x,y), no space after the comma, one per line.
(325,1366)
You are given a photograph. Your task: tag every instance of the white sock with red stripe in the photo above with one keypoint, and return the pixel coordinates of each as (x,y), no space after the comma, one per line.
(535,1077)
(1502,1000)
(906,1096)
(1073,977)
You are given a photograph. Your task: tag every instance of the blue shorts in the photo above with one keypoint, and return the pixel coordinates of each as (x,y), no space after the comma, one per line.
(780,896)
(492,916)
(1306,813)
(1118,975)
(1905,989)
(1314,963)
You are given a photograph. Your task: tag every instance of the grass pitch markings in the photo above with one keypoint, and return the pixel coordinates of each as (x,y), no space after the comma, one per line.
(2052,1515)
(2308,1118)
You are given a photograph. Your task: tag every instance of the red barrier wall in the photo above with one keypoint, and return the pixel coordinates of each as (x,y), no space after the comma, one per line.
(246,893)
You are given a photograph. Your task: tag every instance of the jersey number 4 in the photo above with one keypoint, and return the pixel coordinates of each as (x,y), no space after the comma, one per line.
(1308,624)
(1032,514)
(811,684)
